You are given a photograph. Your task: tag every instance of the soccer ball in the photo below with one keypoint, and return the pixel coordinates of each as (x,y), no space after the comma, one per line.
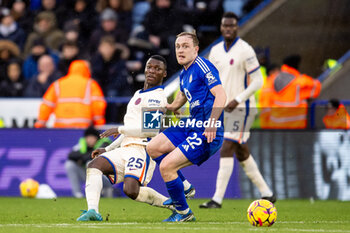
(29,188)
(262,213)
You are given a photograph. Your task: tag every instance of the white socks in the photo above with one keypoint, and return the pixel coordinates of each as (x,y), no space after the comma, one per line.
(253,173)
(186,184)
(224,175)
(151,196)
(93,188)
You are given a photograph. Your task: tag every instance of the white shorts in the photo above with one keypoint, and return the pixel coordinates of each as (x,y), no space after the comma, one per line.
(130,161)
(237,124)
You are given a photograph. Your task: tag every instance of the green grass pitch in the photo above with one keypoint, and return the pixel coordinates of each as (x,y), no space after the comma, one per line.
(125,215)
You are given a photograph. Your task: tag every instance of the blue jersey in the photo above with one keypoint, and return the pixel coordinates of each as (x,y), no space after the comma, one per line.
(196,83)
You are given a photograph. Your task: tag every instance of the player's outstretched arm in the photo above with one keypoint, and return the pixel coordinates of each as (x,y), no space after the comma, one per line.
(110,132)
(218,106)
(179,101)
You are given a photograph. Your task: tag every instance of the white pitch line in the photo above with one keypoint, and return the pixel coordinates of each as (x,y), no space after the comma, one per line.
(164,226)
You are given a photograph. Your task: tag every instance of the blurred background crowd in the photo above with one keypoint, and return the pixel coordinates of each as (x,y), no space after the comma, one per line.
(39,39)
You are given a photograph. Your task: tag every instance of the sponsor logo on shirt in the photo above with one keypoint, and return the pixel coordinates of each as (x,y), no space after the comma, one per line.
(195,104)
(211,78)
(154,101)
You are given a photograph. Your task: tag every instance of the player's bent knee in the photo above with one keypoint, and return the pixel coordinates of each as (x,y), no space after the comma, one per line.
(131,193)
(242,154)
(101,164)
(167,171)
(163,168)
(131,188)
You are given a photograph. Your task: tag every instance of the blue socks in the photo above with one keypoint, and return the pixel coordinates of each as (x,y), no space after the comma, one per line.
(160,158)
(176,192)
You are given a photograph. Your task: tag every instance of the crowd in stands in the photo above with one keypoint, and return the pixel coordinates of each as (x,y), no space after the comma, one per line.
(40,38)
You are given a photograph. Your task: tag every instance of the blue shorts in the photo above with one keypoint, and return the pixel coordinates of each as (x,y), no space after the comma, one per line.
(193,143)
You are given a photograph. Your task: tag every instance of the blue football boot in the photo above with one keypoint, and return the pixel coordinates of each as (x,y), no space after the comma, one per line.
(90,215)
(176,217)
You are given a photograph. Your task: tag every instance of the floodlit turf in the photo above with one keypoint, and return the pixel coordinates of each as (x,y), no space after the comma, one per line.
(124,215)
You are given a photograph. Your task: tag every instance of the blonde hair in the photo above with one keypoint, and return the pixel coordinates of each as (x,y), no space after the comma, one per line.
(192,34)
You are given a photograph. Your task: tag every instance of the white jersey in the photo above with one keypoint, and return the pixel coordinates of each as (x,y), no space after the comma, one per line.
(234,67)
(153,98)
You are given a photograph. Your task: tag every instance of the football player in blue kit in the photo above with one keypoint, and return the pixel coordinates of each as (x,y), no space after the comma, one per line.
(193,140)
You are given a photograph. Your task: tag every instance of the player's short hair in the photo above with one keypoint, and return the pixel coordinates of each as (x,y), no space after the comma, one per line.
(230,15)
(108,39)
(159,58)
(192,34)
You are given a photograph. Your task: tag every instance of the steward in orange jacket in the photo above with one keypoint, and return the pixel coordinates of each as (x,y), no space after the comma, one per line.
(286,94)
(76,100)
(337,117)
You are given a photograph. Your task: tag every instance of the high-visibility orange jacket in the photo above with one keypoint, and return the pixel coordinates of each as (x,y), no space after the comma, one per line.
(340,119)
(284,101)
(76,100)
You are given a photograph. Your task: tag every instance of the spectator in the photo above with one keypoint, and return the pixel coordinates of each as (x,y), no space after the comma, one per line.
(140,9)
(108,27)
(201,12)
(336,117)
(12,86)
(272,70)
(109,69)
(76,100)
(69,53)
(123,8)
(38,85)
(56,8)
(284,96)
(157,24)
(78,159)
(45,28)
(8,51)
(81,17)
(72,34)
(10,30)
(22,15)
(162,24)
(30,65)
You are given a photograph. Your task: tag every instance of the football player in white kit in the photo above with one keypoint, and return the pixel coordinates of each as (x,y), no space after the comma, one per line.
(125,160)
(241,78)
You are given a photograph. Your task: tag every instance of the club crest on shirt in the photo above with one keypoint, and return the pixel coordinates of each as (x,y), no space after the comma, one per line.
(138,101)
(211,78)
(232,61)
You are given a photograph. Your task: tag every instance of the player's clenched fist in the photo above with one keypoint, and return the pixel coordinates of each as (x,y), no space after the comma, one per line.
(97,152)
